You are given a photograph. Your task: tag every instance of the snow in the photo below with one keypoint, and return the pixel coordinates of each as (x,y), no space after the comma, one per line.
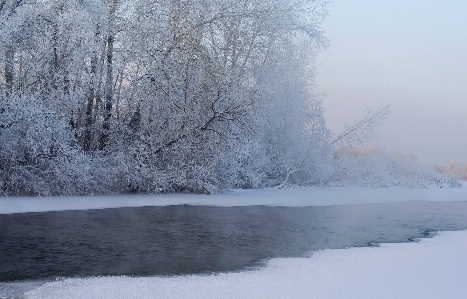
(293,197)
(432,268)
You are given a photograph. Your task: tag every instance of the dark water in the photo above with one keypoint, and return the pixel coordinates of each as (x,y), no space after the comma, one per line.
(199,239)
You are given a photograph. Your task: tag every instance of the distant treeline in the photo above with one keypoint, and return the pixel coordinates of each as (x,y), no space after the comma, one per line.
(453,168)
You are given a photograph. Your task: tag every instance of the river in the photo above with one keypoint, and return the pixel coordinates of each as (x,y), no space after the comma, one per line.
(174,240)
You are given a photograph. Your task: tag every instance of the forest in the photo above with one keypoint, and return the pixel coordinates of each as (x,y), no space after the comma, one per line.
(163,96)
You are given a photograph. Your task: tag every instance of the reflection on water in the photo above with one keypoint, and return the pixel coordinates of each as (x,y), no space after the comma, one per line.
(199,239)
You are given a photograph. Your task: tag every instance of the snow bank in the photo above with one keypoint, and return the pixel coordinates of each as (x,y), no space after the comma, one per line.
(293,197)
(432,268)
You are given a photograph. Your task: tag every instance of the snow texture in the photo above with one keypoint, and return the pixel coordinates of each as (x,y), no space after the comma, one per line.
(432,268)
(292,197)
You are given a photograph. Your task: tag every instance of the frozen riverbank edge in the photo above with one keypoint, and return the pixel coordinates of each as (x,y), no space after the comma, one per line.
(431,268)
(291,197)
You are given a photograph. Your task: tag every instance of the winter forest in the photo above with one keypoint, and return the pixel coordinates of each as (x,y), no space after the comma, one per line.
(151,96)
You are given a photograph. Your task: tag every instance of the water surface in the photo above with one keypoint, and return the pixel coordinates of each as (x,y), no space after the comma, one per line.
(176,240)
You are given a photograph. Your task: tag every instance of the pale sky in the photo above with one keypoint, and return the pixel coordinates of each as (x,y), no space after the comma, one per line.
(409,54)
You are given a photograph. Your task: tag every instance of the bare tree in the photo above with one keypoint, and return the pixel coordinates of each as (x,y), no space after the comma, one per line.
(361,130)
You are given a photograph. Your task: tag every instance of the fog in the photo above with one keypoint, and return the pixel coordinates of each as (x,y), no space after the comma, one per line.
(408,54)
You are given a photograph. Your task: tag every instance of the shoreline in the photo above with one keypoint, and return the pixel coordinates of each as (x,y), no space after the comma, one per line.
(291,197)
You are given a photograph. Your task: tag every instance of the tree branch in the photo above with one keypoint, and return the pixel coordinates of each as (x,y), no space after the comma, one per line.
(362,129)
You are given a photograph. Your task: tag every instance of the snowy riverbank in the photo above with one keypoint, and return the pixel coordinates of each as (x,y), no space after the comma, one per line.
(306,196)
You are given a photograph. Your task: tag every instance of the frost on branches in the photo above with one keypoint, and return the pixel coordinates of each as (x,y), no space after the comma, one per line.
(119,96)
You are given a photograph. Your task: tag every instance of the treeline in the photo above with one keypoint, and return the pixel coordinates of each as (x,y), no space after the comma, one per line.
(114,96)
(147,96)
(453,168)
(376,167)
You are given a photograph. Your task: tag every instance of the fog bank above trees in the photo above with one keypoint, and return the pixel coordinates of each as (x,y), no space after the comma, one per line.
(139,96)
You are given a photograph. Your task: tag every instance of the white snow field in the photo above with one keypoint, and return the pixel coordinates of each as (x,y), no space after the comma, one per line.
(291,197)
(432,268)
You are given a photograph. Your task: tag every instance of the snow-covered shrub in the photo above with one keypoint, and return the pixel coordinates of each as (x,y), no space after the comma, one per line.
(36,152)
(242,166)
(141,168)
(376,167)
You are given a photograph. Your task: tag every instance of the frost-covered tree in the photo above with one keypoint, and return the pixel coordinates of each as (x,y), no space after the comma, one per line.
(36,152)
(362,130)
(198,95)
(112,96)
(453,168)
(293,133)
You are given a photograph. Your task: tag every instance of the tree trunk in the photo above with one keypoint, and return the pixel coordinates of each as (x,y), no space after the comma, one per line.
(9,69)
(88,136)
(108,87)
(108,94)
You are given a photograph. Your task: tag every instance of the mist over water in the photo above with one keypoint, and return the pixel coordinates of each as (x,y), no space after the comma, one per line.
(178,240)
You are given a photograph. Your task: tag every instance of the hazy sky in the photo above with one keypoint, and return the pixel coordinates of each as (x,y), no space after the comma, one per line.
(410,54)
